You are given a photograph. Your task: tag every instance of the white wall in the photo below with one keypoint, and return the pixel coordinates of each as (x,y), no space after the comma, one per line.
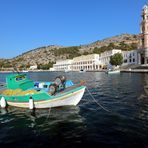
(130,57)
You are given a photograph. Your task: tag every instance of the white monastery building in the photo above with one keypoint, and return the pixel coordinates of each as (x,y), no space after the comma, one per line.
(62,65)
(86,62)
(94,62)
(105,56)
(130,57)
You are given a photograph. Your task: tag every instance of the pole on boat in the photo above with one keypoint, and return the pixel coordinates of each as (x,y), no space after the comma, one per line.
(3,102)
(31,103)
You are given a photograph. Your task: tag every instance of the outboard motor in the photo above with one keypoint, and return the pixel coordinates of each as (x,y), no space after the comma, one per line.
(60,80)
(63,79)
(59,84)
(52,89)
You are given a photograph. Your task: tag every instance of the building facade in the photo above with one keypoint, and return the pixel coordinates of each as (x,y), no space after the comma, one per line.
(143,51)
(86,62)
(94,62)
(130,57)
(105,57)
(62,65)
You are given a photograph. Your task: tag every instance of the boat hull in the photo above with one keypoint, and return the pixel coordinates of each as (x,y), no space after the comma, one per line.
(113,72)
(44,100)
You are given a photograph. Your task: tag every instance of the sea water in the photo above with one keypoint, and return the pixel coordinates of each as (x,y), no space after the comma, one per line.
(112,113)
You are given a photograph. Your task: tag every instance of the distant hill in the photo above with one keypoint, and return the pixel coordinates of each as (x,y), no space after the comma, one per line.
(116,40)
(50,54)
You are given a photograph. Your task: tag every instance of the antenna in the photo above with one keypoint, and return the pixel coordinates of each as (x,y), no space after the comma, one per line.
(15,68)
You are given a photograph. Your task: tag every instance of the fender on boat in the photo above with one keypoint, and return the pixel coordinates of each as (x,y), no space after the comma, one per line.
(31,103)
(3,102)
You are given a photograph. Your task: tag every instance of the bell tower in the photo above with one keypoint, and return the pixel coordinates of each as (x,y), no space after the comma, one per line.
(144,35)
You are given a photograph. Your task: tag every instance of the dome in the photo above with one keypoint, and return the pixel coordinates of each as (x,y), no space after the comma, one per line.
(145,7)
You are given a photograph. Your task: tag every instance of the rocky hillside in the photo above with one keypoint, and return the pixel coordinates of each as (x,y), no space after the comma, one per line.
(116,40)
(40,55)
(50,54)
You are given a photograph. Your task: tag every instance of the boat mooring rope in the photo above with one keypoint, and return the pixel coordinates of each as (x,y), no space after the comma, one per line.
(96,101)
(93,97)
(47,115)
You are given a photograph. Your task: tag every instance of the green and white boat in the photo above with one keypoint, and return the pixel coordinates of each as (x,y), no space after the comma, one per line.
(22,92)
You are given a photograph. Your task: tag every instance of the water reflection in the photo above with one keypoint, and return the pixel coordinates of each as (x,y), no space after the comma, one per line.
(44,117)
(146,84)
(143,99)
(3,111)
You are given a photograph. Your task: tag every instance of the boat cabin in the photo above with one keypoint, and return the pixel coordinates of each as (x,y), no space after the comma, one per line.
(19,81)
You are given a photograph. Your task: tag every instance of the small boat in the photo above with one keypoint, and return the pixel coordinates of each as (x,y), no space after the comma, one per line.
(82,71)
(23,92)
(113,71)
(24,71)
(66,70)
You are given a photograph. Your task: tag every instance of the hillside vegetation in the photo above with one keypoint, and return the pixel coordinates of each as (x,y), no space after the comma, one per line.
(45,56)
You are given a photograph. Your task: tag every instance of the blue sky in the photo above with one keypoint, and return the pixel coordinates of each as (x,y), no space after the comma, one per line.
(29,24)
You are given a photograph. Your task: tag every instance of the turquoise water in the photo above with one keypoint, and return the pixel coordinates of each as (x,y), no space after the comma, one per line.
(122,122)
